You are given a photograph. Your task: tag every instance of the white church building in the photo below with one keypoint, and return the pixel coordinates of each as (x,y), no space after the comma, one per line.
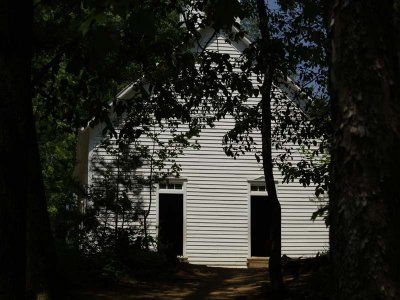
(219,203)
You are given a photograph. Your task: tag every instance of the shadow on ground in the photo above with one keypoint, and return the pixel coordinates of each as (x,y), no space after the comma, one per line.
(305,279)
(189,282)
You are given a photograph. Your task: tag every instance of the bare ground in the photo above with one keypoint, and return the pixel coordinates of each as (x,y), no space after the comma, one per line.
(304,279)
(189,282)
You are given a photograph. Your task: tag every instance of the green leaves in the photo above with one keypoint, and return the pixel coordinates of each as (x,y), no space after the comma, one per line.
(222,14)
(286,4)
(92,18)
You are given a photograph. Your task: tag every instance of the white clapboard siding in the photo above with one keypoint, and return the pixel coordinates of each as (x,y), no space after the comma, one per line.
(217,196)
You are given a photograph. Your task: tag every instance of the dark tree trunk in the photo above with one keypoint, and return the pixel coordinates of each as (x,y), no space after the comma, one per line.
(41,256)
(26,247)
(266,61)
(14,106)
(365,194)
(42,277)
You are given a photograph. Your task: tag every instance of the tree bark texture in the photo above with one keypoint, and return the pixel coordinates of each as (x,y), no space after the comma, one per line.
(365,194)
(267,63)
(26,247)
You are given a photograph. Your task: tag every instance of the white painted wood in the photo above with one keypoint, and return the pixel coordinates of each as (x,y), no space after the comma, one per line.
(216,192)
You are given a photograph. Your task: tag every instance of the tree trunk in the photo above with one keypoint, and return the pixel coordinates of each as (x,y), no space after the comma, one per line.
(267,64)
(41,269)
(26,248)
(365,195)
(14,96)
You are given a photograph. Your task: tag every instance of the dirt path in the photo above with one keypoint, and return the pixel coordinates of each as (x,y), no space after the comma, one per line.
(191,282)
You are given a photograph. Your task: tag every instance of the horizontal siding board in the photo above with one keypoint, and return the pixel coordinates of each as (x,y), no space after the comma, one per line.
(216,204)
(209,254)
(217,220)
(228,224)
(220,262)
(217,213)
(214,236)
(229,245)
(216,199)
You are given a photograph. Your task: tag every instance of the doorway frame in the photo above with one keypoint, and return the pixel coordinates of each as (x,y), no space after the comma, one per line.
(167,190)
(249,194)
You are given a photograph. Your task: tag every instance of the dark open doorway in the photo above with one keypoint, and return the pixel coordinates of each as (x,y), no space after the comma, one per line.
(260,226)
(171,222)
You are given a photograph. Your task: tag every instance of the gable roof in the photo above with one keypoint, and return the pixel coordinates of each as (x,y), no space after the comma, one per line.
(243,43)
